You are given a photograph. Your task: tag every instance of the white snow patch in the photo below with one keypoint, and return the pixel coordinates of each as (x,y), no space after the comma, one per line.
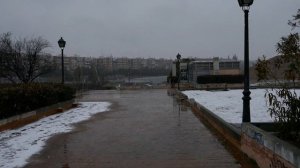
(229,104)
(16,146)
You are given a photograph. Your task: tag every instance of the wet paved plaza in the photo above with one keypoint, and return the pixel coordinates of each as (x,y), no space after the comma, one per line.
(145,128)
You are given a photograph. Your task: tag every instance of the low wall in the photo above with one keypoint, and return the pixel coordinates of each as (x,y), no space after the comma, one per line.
(39,113)
(267,150)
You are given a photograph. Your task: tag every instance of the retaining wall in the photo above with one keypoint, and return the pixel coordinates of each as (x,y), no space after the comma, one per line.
(267,150)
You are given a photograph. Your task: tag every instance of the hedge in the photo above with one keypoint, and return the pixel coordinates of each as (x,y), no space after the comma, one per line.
(17,99)
(205,79)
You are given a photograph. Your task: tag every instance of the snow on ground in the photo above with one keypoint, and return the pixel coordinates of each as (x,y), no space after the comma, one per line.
(19,144)
(229,104)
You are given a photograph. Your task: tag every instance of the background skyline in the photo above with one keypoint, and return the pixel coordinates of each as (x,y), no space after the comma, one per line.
(156,28)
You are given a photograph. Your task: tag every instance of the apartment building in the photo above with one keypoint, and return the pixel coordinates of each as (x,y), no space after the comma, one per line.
(105,63)
(110,63)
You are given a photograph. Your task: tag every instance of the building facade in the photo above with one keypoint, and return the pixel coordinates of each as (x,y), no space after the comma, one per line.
(214,66)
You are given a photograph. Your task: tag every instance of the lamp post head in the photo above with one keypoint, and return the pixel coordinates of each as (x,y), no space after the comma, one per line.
(61,43)
(245,4)
(178,56)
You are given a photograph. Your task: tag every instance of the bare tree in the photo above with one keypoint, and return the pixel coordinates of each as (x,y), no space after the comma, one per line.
(22,60)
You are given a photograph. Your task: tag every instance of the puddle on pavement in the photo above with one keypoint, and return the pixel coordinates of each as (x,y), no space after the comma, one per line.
(179,107)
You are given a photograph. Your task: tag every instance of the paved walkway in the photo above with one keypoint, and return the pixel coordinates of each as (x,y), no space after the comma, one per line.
(143,129)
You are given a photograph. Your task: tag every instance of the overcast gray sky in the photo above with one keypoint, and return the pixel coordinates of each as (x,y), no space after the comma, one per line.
(150,28)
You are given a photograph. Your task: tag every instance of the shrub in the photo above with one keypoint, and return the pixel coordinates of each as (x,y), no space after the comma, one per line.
(285,108)
(17,99)
(284,103)
(204,79)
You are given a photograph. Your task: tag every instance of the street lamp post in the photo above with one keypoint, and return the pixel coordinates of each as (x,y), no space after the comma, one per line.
(178,56)
(245,4)
(62,44)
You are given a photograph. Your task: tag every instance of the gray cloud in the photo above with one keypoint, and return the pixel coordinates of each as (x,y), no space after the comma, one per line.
(150,28)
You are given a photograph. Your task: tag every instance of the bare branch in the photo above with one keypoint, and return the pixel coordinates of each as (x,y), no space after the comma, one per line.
(22,58)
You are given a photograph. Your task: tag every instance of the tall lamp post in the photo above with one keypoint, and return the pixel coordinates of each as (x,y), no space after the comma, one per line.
(62,44)
(245,4)
(178,56)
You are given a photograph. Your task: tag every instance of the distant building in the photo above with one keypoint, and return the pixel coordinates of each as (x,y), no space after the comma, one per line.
(121,63)
(109,64)
(184,70)
(214,66)
(106,63)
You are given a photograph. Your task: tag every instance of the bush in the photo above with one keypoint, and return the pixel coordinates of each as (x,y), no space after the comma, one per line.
(283,101)
(285,108)
(205,79)
(17,99)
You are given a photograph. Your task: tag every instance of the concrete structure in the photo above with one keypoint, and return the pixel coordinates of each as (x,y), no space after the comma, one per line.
(215,66)
(200,67)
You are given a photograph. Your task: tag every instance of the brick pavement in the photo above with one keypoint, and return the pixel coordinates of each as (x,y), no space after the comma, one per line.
(142,129)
